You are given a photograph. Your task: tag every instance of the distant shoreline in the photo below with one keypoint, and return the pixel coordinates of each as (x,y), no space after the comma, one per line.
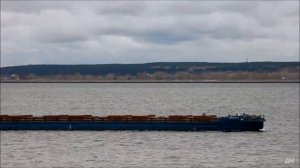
(150,81)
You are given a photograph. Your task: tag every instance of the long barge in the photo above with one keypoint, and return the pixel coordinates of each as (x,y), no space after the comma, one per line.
(238,122)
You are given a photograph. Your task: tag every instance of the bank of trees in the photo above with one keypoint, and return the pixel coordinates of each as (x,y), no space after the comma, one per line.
(156,71)
(182,75)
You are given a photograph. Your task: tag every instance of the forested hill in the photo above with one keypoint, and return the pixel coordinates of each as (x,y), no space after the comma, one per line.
(134,69)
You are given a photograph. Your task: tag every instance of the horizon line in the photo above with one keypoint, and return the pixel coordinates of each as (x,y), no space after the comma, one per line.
(156,62)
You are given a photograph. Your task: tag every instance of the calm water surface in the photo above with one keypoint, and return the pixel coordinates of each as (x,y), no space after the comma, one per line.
(270,148)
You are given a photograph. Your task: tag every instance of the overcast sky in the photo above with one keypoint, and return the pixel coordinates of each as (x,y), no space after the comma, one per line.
(77,32)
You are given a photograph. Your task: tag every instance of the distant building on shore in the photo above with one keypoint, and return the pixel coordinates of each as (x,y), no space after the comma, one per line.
(14,77)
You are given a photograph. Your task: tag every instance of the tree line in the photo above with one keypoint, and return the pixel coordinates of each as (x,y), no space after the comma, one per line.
(183,75)
(156,71)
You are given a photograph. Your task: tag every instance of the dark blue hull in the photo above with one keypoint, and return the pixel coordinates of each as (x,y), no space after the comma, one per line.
(220,125)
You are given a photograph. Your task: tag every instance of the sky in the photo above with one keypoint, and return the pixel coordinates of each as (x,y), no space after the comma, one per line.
(103,32)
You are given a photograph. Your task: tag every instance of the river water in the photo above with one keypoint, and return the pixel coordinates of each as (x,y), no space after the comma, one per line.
(276,146)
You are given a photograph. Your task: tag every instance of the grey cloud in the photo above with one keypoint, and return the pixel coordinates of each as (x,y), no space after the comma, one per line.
(128,32)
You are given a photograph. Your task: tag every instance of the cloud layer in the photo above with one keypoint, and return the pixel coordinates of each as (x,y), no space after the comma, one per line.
(136,32)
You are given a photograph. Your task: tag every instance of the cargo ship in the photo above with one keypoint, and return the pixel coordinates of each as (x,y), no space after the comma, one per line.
(238,122)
